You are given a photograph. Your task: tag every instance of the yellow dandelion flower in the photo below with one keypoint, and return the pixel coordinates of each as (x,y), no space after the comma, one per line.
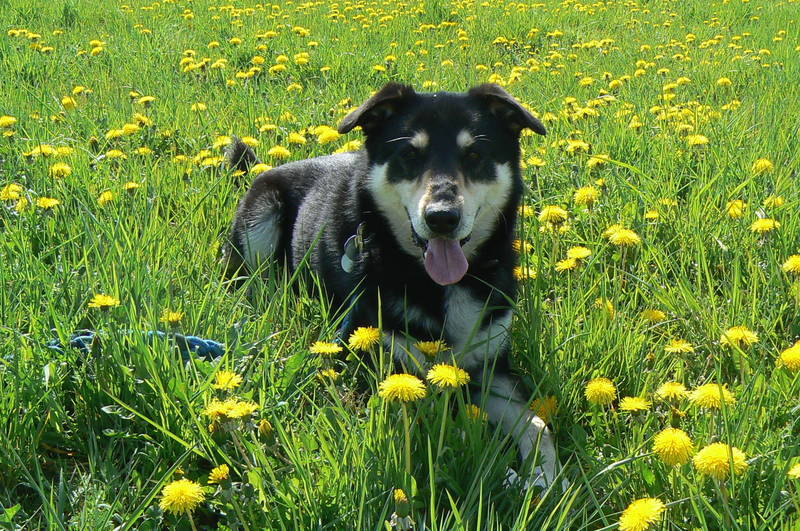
(794,472)
(250,141)
(739,336)
(327,136)
(400,496)
(168,316)
(296,138)
(678,346)
(68,103)
(673,446)
(242,408)
(103,301)
(764,225)
(600,391)
(330,374)
(7,122)
(476,413)
(131,129)
(181,497)
(324,348)
(22,204)
(431,348)
(567,265)
(790,358)
(697,140)
(146,100)
(762,166)
(524,273)
(115,154)
(545,408)
(597,161)
(711,396)
(519,246)
(607,305)
(364,338)
(715,460)
(641,514)
(60,170)
(652,315)
(105,198)
(402,387)
(671,391)
(774,201)
(131,186)
(265,428)
(11,192)
(578,252)
(634,404)
(445,376)
(586,196)
(279,152)
(258,169)
(553,214)
(735,208)
(219,474)
(47,203)
(526,211)
(226,380)
(625,238)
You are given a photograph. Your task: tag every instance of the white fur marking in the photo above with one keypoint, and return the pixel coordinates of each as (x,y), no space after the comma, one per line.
(420,140)
(464,139)
(472,343)
(483,203)
(529,432)
(260,240)
(392,199)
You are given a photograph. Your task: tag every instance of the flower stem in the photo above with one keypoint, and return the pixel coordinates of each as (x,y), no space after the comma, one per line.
(445,414)
(407,437)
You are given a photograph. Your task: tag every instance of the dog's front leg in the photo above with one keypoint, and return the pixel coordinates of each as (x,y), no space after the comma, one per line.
(507,409)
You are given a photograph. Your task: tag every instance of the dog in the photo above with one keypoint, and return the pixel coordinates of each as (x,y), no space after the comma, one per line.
(414,232)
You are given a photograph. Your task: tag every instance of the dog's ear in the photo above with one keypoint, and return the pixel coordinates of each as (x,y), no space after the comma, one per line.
(504,105)
(378,108)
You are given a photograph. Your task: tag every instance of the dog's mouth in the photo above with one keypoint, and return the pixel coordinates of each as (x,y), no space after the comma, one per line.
(444,258)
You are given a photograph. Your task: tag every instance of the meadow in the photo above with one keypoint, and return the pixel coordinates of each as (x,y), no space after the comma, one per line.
(657,326)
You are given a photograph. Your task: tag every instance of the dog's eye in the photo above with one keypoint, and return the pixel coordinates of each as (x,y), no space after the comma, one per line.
(410,152)
(472,155)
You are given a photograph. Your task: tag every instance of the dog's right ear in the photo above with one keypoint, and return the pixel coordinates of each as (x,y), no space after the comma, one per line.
(378,108)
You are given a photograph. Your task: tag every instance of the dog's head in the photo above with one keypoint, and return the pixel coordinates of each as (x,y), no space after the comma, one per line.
(443,166)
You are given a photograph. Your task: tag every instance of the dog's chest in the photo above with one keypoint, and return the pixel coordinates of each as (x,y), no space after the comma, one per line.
(471,329)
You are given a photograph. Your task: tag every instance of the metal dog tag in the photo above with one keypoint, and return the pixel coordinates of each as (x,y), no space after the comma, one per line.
(350,254)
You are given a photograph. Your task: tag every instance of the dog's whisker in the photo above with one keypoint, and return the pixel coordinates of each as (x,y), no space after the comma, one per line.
(398,139)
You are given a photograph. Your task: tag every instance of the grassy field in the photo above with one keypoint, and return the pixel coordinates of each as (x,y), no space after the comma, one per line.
(683,117)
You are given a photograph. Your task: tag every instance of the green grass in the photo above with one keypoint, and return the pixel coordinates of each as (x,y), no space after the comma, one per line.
(90,440)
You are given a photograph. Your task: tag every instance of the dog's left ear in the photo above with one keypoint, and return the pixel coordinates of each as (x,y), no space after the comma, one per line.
(378,108)
(504,105)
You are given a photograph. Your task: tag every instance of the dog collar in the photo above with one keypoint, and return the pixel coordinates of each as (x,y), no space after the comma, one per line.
(353,248)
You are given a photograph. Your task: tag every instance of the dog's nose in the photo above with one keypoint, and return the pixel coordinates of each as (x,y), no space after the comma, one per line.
(442,220)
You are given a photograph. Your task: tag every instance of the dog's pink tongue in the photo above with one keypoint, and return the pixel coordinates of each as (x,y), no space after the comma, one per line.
(445,261)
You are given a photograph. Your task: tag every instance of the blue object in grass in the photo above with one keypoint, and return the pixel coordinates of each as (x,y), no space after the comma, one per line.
(187,345)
